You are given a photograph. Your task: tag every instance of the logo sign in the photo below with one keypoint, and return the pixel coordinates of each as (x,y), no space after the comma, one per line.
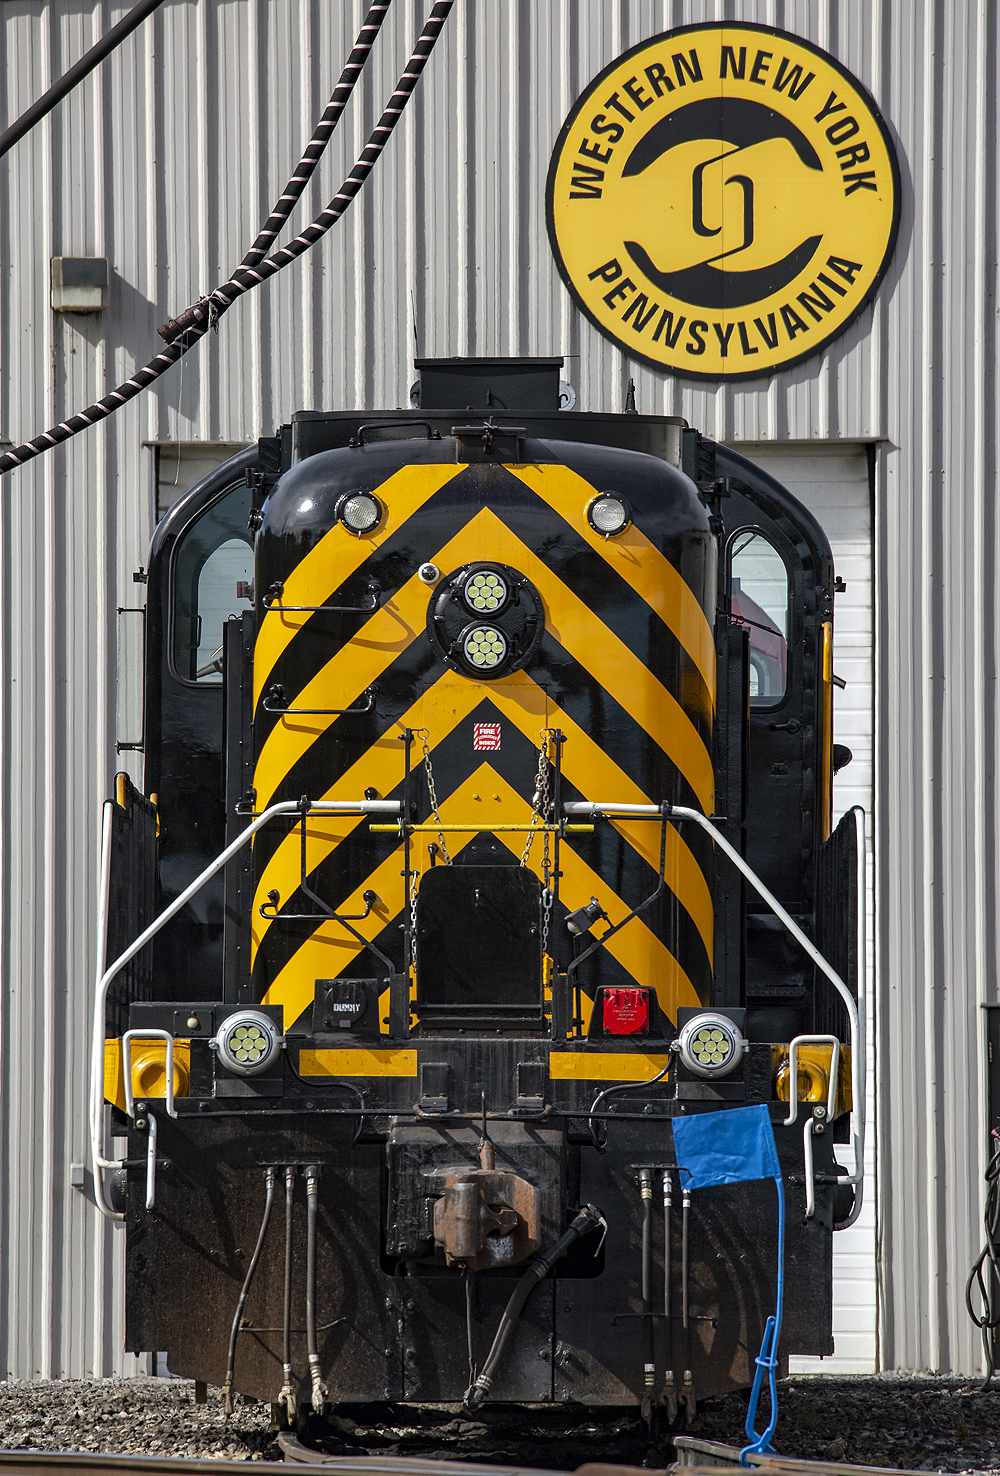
(486,737)
(723,200)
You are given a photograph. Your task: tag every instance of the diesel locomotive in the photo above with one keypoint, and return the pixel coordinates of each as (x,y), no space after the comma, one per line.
(485,831)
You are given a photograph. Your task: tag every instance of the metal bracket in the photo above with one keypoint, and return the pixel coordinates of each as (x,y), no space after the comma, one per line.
(275,702)
(272,601)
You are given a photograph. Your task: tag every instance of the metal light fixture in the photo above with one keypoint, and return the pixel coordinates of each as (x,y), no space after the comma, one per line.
(584,918)
(359,512)
(486,591)
(710,1045)
(484,646)
(246,1043)
(609,514)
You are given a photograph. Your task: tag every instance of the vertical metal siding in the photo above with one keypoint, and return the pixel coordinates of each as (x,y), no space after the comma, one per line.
(166,159)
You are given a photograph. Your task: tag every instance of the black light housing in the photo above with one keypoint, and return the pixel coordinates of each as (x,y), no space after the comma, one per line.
(609,514)
(360,513)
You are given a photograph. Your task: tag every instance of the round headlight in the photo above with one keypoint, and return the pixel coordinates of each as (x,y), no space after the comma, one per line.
(484,592)
(710,1045)
(608,515)
(484,646)
(246,1043)
(359,512)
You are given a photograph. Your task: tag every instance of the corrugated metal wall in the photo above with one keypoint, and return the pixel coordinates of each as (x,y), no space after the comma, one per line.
(166,162)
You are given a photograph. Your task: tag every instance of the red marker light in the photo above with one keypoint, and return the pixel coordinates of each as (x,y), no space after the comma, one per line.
(626,1011)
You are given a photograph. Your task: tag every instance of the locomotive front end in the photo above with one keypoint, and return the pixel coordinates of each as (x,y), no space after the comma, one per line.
(477,947)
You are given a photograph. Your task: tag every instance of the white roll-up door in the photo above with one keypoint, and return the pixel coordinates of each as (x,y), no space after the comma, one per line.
(833,480)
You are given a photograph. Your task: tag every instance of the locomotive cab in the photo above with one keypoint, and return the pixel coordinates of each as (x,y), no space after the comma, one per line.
(485,833)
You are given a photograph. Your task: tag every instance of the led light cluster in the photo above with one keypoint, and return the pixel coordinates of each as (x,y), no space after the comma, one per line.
(710,1045)
(485,646)
(485,592)
(246,1043)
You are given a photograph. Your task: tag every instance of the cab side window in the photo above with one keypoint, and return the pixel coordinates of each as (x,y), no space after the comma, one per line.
(758,581)
(213,556)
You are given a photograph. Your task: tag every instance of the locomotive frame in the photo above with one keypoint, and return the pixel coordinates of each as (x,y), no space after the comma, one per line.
(443,1081)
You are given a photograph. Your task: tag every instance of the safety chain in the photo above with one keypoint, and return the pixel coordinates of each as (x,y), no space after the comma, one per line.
(540,805)
(414,878)
(432,792)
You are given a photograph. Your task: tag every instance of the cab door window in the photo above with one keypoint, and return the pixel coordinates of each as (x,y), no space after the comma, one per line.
(759,597)
(212,558)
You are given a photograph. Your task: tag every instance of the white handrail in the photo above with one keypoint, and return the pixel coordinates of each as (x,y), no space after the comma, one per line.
(168,1088)
(682,812)
(105,979)
(793,1074)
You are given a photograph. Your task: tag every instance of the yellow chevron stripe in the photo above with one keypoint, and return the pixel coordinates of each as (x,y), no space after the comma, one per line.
(638,561)
(328,951)
(441,708)
(587,639)
(586,765)
(596,775)
(338,555)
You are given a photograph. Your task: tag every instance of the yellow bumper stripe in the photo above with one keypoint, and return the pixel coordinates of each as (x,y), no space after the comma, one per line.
(607,1066)
(357,1063)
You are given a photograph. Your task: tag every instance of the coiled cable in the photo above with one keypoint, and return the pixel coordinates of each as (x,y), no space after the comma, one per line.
(985,1274)
(204,315)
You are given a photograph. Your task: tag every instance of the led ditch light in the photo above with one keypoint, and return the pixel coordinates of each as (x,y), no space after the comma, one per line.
(609,515)
(359,512)
(246,1043)
(484,646)
(710,1045)
(485,591)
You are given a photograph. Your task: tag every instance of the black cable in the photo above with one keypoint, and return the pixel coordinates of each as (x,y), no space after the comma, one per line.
(303,171)
(987,1281)
(246,278)
(624,1086)
(334,1086)
(88,61)
(251,1270)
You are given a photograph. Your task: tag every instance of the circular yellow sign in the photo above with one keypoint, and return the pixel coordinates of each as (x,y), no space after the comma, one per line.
(723,200)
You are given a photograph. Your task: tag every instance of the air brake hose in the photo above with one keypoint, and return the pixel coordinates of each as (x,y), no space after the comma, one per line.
(227,1388)
(588,1219)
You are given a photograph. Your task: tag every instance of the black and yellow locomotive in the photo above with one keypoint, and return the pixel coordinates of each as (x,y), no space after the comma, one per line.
(469,733)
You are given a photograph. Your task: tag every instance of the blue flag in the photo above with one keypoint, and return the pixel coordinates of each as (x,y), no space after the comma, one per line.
(725,1147)
(729,1148)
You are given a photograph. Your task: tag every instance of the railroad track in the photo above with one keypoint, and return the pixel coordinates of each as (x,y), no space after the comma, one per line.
(695,1458)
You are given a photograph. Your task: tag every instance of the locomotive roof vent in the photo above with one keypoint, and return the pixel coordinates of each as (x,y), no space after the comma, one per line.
(487,384)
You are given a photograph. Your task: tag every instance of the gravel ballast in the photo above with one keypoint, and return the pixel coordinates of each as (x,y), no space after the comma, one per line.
(912,1423)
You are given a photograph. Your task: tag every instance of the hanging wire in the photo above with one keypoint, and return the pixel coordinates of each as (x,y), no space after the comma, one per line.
(985,1274)
(192,325)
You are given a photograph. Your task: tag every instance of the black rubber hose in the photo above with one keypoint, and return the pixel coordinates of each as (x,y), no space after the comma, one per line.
(588,1218)
(287,1395)
(312,1212)
(648,1340)
(88,61)
(251,1271)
